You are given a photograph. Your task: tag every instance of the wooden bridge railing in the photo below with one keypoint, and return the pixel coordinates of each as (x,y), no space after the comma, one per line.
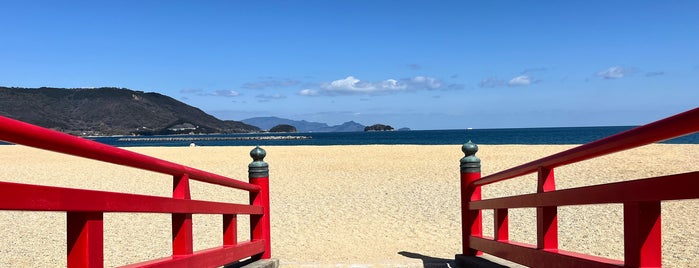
(641,201)
(85,208)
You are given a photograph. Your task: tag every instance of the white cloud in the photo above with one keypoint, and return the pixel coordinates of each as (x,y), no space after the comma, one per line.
(353,86)
(491,83)
(427,82)
(349,85)
(309,92)
(613,72)
(267,98)
(217,93)
(226,93)
(271,97)
(392,84)
(521,80)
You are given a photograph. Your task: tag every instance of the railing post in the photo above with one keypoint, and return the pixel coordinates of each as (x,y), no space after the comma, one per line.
(85,239)
(258,173)
(471,220)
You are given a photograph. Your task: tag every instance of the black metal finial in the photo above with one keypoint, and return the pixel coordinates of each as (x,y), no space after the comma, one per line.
(258,168)
(470,163)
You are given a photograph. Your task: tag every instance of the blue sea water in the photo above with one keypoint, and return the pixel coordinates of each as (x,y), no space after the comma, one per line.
(558,135)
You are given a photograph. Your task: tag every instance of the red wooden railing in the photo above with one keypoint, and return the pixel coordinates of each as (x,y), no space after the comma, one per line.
(85,208)
(641,201)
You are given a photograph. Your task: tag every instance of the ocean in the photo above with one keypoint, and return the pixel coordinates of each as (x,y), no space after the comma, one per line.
(556,135)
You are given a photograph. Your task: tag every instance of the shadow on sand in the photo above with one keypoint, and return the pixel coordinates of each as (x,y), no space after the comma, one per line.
(461,261)
(428,261)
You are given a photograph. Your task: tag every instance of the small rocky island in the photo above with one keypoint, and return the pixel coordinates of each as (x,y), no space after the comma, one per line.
(283,128)
(378,127)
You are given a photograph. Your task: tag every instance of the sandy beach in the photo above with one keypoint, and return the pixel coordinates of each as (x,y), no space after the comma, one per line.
(345,206)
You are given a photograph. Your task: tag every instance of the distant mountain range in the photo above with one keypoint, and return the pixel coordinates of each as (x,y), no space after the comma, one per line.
(120,111)
(110,111)
(266,123)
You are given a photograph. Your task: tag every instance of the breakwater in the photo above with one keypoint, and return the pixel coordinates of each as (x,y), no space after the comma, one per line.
(219,138)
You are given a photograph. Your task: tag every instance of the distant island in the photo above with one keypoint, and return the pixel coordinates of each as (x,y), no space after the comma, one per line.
(283,128)
(378,127)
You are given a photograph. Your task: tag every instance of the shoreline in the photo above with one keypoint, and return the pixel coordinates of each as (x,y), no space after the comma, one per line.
(345,204)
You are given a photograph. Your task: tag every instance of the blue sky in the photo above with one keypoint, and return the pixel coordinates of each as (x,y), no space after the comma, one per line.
(416,64)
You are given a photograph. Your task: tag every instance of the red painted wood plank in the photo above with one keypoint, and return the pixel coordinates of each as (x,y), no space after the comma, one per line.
(30,135)
(668,128)
(530,256)
(85,239)
(213,257)
(16,196)
(671,187)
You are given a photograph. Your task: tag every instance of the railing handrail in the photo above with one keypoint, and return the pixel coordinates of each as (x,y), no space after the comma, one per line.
(18,132)
(661,130)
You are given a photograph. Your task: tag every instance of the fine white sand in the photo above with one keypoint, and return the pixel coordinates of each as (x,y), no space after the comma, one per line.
(344,206)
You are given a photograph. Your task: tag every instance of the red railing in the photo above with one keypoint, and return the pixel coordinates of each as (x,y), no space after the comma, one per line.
(85,208)
(641,201)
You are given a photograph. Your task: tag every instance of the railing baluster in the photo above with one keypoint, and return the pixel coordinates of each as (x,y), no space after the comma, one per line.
(642,234)
(182,240)
(230,229)
(546,217)
(501,224)
(85,232)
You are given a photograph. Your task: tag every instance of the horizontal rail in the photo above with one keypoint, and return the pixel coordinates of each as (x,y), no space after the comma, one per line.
(30,135)
(213,257)
(15,196)
(672,187)
(530,256)
(668,128)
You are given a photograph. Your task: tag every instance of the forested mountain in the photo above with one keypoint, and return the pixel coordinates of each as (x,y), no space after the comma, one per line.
(110,111)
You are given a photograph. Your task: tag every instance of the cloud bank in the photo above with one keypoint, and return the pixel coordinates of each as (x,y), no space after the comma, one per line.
(353,86)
